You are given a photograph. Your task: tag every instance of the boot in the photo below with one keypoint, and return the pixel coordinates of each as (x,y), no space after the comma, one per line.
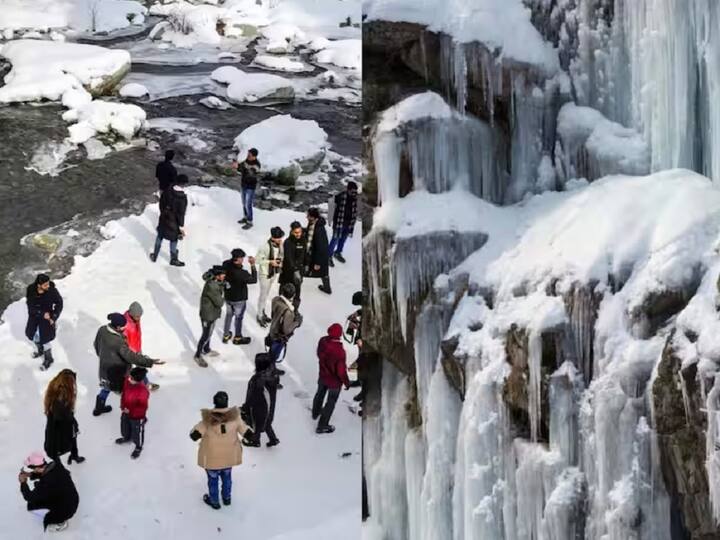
(340,258)
(331,264)
(136,453)
(206,499)
(100,407)
(247,225)
(174,261)
(273,442)
(226,338)
(76,459)
(242,221)
(240,340)
(325,287)
(39,352)
(200,361)
(153,257)
(227,501)
(47,360)
(325,429)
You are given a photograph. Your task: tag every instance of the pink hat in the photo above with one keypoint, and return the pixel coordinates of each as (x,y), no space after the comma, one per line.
(35,459)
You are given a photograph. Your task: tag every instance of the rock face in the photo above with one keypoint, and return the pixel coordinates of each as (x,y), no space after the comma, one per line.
(681,426)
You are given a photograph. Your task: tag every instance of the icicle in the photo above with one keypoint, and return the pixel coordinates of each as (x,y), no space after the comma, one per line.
(386,153)
(565,384)
(534,390)
(460,76)
(712,444)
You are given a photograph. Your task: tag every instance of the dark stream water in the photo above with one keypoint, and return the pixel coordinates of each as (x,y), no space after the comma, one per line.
(90,192)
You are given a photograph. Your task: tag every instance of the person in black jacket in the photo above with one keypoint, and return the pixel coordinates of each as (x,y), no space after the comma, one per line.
(61,429)
(54,491)
(44,305)
(293,264)
(249,171)
(317,260)
(236,294)
(171,224)
(343,221)
(165,172)
(259,408)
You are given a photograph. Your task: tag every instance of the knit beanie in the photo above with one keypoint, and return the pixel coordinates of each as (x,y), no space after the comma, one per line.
(357,298)
(117,320)
(335,331)
(36,459)
(220,400)
(135,309)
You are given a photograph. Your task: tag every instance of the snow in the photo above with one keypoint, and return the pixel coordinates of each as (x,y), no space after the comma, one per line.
(47,69)
(249,87)
(499,24)
(280,63)
(283,141)
(423,105)
(134,90)
(122,119)
(344,53)
(271,495)
(283,38)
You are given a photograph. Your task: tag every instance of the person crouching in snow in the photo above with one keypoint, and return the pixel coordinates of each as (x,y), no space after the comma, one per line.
(134,406)
(211,303)
(44,305)
(116,359)
(133,334)
(54,491)
(219,433)
(259,407)
(333,375)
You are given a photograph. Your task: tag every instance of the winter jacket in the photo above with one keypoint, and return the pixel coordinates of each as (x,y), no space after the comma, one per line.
(249,173)
(38,305)
(133,333)
(116,358)
(266,253)
(61,429)
(345,213)
(284,322)
(220,431)
(135,399)
(293,259)
(166,174)
(260,399)
(317,249)
(211,300)
(238,279)
(55,491)
(173,204)
(333,369)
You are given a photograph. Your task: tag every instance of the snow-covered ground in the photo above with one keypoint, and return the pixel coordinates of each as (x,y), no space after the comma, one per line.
(302,490)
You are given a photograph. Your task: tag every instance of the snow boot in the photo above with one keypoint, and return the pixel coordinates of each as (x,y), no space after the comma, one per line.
(100,407)
(325,287)
(121,440)
(136,453)
(47,360)
(251,443)
(206,499)
(226,338)
(273,442)
(325,429)
(240,340)
(340,258)
(176,262)
(227,501)
(200,361)
(242,221)
(248,226)
(39,352)
(153,257)
(76,459)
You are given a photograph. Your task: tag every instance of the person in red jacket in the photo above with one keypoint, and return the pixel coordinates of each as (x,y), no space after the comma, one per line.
(133,335)
(134,406)
(333,375)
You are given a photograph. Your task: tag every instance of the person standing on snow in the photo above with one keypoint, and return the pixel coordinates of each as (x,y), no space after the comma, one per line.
(165,172)
(171,223)
(343,221)
(270,260)
(133,334)
(333,375)
(44,305)
(211,303)
(236,295)
(249,171)
(116,359)
(219,433)
(285,320)
(61,429)
(317,260)
(259,407)
(134,406)
(53,491)
(293,266)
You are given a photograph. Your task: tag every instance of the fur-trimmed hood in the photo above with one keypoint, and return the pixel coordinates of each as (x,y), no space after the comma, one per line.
(214,417)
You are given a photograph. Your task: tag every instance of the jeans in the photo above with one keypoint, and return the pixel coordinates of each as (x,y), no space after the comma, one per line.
(338,241)
(204,343)
(234,310)
(104,393)
(265,285)
(276,350)
(133,430)
(248,196)
(324,411)
(173,247)
(214,477)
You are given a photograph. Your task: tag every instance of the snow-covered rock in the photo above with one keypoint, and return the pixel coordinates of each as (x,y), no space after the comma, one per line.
(212,102)
(283,38)
(122,119)
(251,87)
(345,53)
(46,69)
(280,63)
(287,146)
(134,90)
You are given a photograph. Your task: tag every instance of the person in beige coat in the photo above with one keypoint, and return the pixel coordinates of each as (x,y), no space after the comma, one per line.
(219,432)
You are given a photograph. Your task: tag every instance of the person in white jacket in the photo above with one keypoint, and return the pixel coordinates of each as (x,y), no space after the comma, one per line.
(269,259)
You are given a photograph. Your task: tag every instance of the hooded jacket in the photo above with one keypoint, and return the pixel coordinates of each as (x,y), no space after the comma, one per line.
(331,356)
(133,333)
(284,322)
(38,305)
(116,358)
(211,300)
(221,431)
(261,395)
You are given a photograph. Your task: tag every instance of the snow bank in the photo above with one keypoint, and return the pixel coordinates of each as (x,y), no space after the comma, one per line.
(251,87)
(46,70)
(344,53)
(104,117)
(500,24)
(284,143)
(283,38)
(271,498)
(134,90)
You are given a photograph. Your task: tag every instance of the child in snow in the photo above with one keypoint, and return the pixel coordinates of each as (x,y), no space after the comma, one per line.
(211,302)
(134,406)
(219,433)
(259,407)
(333,375)
(133,334)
